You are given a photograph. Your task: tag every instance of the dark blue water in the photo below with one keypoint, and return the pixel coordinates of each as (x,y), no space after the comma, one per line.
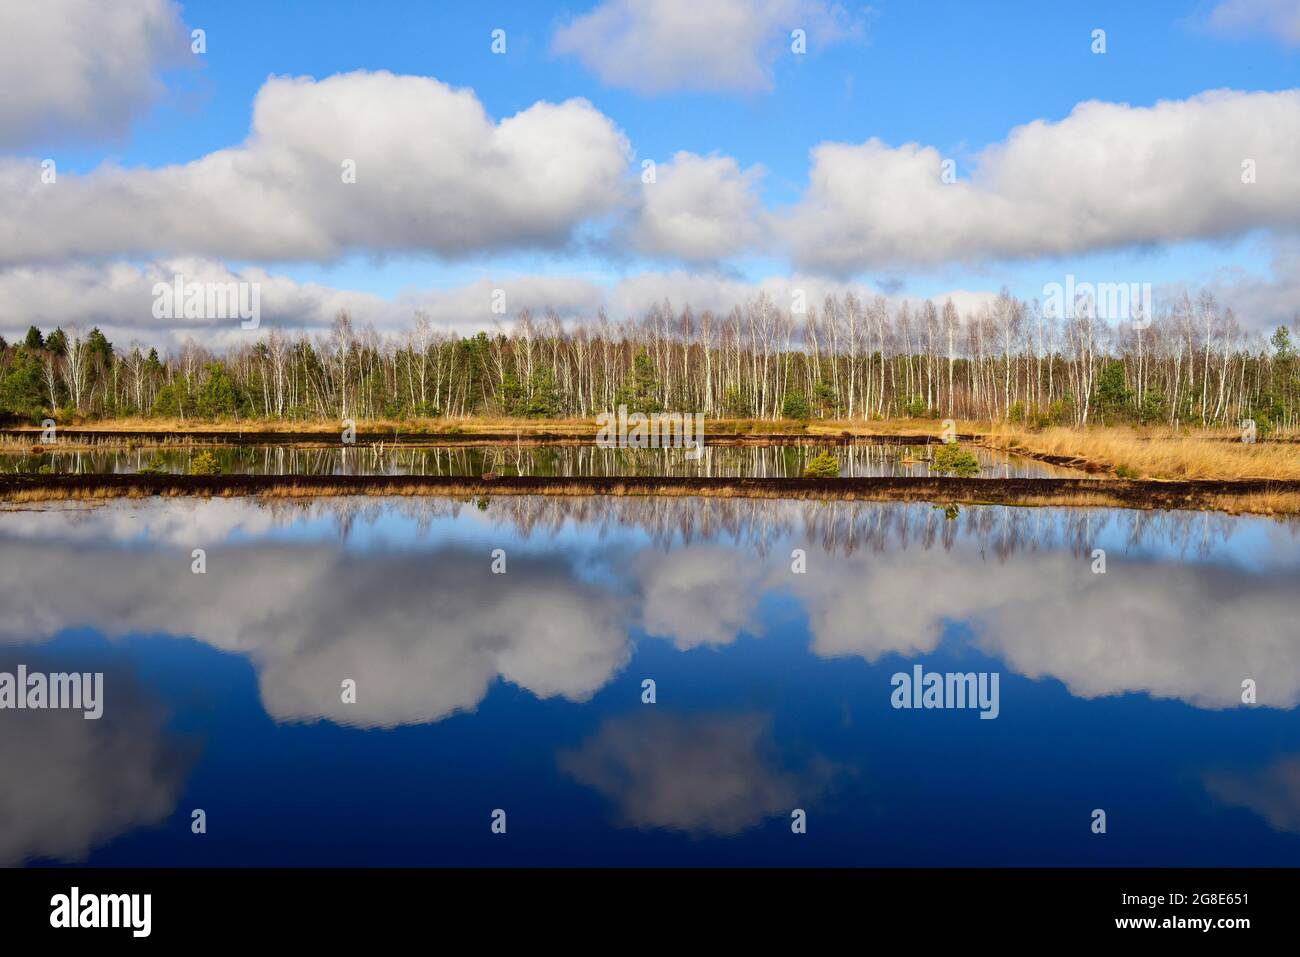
(522,691)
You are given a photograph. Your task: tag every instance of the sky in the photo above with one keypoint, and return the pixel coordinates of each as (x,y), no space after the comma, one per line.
(498,155)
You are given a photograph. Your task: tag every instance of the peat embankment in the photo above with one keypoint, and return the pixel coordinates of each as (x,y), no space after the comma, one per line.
(1076,462)
(1257,496)
(105,437)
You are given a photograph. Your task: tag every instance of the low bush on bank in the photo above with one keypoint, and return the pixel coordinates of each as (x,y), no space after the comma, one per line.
(824,465)
(205,463)
(954,460)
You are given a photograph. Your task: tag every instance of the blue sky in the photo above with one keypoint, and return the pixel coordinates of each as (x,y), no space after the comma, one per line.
(957,77)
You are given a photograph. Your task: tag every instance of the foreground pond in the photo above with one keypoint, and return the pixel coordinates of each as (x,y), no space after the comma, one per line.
(571,461)
(774,688)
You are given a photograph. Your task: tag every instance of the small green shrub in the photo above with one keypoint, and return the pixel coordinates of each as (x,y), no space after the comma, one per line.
(916,408)
(1061,412)
(824,465)
(952,459)
(205,463)
(795,406)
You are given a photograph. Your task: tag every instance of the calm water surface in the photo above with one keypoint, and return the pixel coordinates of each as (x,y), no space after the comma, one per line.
(523,691)
(555,460)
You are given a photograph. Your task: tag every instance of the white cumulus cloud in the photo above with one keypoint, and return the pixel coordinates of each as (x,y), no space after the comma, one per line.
(1278,17)
(662,46)
(83,68)
(698,208)
(433,173)
(1109,175)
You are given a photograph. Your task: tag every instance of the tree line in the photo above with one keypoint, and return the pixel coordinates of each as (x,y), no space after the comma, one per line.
(851,358)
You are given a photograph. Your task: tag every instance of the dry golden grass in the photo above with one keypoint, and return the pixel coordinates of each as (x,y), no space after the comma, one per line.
(1258,503)
(328,426)
(149,429)
(29,495)
(1156,453)
(890,426)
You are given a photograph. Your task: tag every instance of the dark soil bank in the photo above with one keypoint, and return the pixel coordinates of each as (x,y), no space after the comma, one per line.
(1042,491)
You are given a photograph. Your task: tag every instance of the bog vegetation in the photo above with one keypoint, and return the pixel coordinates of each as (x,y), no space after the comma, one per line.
(954,460)
(822,465)
(1193,365)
